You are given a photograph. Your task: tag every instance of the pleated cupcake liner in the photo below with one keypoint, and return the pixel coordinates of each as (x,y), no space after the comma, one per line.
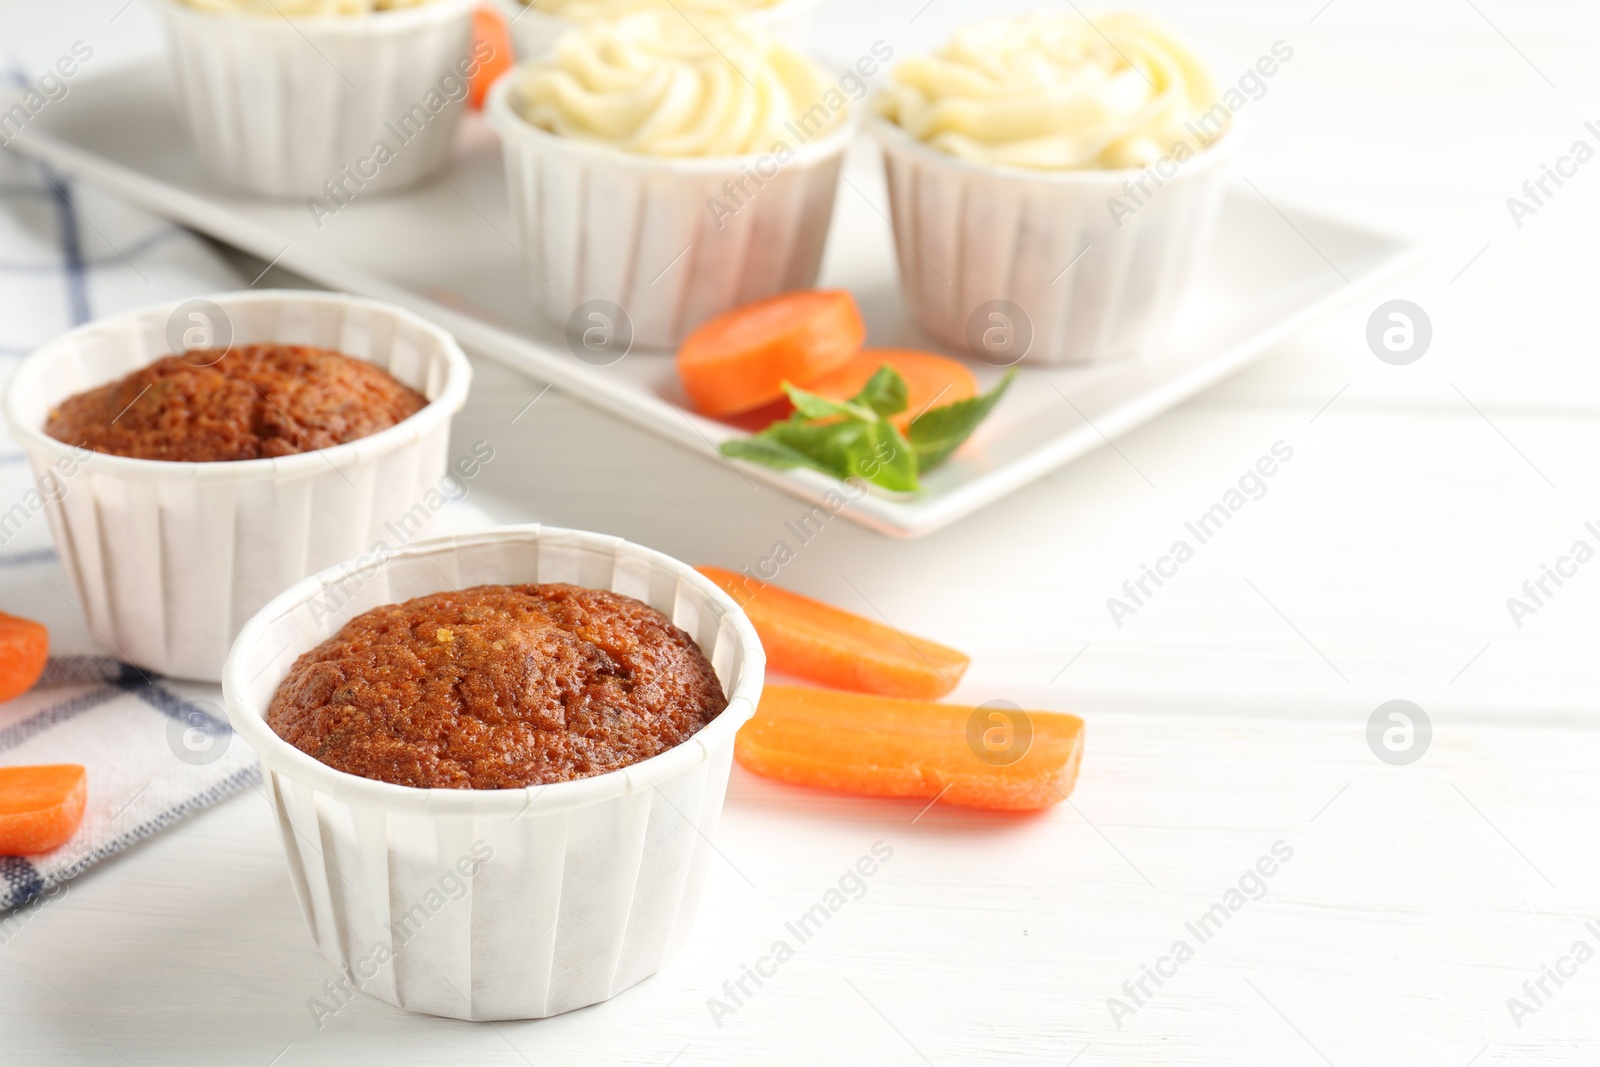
(1098,264)
(506,903)
(672,242)
(282,107)
(168,560)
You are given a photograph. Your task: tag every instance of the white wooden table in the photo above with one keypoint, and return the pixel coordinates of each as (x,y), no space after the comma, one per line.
(1228,715)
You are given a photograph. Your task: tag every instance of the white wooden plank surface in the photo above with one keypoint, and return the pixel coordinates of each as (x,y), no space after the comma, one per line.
(1419,898)
(1394,935)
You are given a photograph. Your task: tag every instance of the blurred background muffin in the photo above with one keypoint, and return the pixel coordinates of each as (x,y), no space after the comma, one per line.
(536,24)
(1053,182)
(670,170)
(321,98)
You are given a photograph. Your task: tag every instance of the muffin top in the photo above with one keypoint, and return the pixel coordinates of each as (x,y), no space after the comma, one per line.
(497,687)
(301,8)
(1053,91)
(656,83)
(247,402)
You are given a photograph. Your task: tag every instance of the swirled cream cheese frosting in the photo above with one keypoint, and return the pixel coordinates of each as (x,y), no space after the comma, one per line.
(301,8)
(656,84)
(1056,92)
(589,10)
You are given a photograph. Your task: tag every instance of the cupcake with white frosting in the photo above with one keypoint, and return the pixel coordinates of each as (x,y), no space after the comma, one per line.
(537,24)
(322,99)
(674,170)
(1054,180)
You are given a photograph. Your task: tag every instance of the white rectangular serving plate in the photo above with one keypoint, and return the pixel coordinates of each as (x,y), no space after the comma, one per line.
(445,251)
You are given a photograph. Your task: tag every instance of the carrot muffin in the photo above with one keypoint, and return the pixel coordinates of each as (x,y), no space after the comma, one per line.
(497,687)
(248,402)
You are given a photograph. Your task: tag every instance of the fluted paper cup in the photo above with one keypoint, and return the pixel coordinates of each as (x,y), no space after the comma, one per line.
(534,32)
(1097,271)
(280,107)
(498,903)
(169,560)
(672,242)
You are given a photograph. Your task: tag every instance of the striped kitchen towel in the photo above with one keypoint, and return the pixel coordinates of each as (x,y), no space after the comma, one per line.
(155,750)
(154,755)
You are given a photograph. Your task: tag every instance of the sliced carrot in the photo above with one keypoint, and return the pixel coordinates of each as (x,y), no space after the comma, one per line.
(996,757)
(931,381)
(824,644)
(24,648)
(491,50)
(740,359)
(40,807)
(757,419)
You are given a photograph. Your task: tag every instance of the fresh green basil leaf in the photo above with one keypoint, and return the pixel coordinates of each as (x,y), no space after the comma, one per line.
(845,440)
(889,460)
(832,446)
(770,453)
(812,406)
(814,439)
(885,392)
(873,451)
(939,431)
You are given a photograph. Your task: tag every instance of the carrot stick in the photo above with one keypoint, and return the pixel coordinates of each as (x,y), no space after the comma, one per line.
(40,807)
(996,757)
(931,381)
(821,643)
(24,648)
(740,359)
(491,50)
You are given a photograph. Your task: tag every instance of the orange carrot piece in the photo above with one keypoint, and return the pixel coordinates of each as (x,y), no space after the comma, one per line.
(40,807)
(931,381)
(757,419)
(999,758)
(825,644)
(491,49)
(740,359)
(24,647)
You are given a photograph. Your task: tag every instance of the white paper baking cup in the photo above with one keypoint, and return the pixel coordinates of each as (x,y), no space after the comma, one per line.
(168,560)
(588,885)
(534,32)
(969,234)
(279,106)
(596,223)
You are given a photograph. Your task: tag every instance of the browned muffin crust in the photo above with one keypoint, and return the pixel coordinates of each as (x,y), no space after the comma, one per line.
(497,687)
(249,402)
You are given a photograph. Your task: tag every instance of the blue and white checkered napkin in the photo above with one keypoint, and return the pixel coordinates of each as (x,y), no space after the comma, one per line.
(155,750)
(153,754)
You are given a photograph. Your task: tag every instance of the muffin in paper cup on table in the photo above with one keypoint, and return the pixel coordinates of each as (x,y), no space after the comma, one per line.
(498,761)
(665,170)
(1054,184)
(188,484)
(321,98)
(536,24)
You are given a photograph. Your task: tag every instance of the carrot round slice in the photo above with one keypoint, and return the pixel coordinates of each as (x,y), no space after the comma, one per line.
(931,381)
(821,643)
(40,807)
(740,359)
(24,648)
(992,756)
(491,50)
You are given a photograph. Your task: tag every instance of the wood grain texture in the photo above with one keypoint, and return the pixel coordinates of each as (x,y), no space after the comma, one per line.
(1225,716)
(1394,934)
